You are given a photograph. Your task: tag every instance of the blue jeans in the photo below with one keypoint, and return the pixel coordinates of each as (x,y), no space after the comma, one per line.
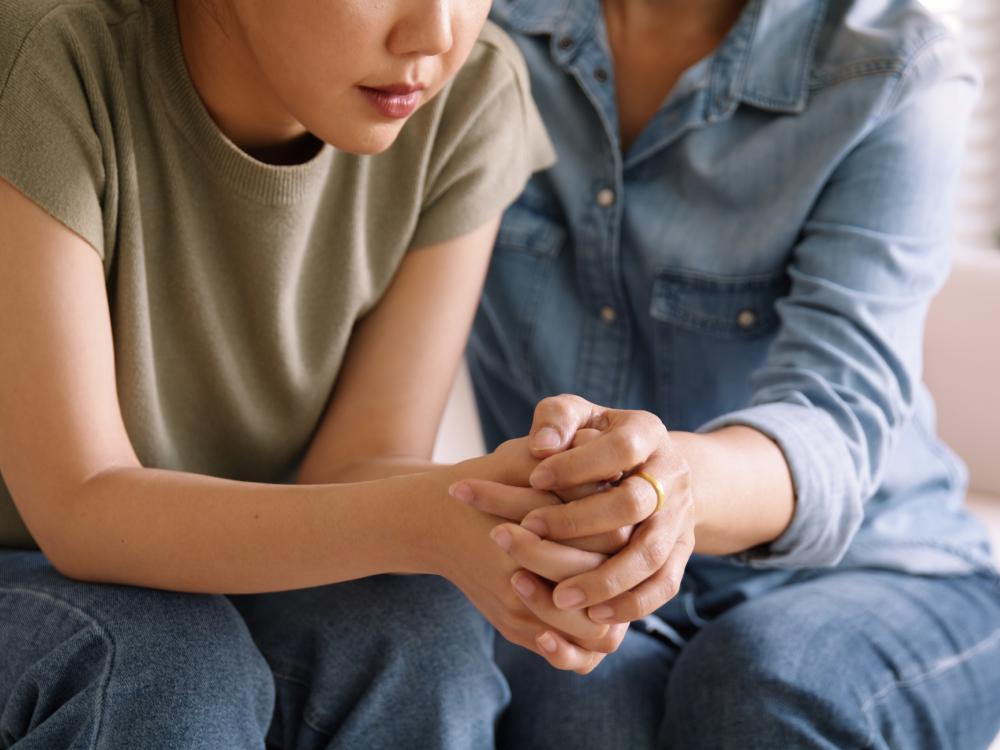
(384,662)
(823,659)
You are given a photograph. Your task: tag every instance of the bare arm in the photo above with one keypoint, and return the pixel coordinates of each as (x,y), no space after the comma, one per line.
(391,392)
(99,515)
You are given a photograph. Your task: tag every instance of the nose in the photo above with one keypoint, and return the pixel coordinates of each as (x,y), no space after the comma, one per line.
(425,30)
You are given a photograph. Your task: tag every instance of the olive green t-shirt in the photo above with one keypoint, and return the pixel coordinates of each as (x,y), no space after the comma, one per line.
(234,284)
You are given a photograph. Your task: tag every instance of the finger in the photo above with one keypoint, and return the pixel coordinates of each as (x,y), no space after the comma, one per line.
(557,420)
(609,642)
(550,560)
(609,543)
(652,593)
(578,493)
(562,654)
(500,499)
(645,554)
(629,440)
(537,597)
(628,503)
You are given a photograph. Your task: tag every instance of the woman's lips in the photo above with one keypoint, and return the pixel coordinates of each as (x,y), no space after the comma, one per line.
(395,102)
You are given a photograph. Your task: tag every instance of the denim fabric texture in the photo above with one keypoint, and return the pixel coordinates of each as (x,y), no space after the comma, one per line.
(841,659)
(384,662)
(763,254)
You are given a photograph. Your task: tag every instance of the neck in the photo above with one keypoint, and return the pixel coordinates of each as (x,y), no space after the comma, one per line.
(703,16)
(232,87)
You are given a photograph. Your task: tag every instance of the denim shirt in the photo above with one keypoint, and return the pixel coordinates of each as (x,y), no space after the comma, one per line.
(763,254)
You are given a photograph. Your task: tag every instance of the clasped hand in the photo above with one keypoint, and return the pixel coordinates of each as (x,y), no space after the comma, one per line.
(588,553)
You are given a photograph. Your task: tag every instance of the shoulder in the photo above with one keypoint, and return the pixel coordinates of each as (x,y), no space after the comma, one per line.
(50,31)
(888,38)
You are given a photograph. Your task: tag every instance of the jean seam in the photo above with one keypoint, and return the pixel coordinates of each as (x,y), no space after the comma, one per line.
(308,717)
(940,668)
(98,627)
(290,678)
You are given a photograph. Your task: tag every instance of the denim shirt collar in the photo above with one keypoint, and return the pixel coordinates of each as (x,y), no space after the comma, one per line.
(765,60)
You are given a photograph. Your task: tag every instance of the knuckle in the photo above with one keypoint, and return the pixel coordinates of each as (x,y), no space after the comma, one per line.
(608,643)
(607,585)
(653,554)
(686,503)
(548,403)
(632,503)
(653,423)
(618,538)
(563,524)
(596,633)
(669,588)
(632,606)
(628,446)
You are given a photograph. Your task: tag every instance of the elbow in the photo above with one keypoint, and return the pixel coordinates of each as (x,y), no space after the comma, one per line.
(60,542)
(59,526)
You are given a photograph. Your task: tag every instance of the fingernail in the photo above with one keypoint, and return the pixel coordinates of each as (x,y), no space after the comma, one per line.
(570,597)
(503,539)
(461,491)
(542,478)
(545,439)
(602,612)
(536,526)
(523,585)
(547,642)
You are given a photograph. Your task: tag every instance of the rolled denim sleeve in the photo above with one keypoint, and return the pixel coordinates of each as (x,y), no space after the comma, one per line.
(839,381)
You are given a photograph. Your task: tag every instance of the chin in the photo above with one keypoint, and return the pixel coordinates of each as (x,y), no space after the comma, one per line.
(363,141)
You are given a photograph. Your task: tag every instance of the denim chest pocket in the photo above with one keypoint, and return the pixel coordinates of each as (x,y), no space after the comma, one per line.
(711,334)
(726,307)
(521,272)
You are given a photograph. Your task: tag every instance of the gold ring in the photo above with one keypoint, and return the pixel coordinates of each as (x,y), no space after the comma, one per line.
(656,486)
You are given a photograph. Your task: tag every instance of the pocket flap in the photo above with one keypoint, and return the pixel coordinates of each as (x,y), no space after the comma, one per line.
(735,306)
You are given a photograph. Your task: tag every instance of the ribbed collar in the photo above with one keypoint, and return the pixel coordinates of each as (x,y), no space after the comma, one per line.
(766,59)
(260,182)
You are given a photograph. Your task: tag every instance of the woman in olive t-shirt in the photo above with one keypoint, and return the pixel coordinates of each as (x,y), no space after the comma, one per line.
(240,249)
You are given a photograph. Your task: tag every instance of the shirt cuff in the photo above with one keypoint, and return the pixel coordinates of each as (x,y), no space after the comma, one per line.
(828,506)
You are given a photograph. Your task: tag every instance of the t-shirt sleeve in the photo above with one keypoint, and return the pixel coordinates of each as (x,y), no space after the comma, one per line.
(489,142)
(49,147)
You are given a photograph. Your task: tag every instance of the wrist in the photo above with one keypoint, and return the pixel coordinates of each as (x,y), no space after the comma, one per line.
(427,522)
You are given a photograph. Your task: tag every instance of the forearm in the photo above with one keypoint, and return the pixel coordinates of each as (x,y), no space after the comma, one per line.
(190,532)
(366,470)
(742,488)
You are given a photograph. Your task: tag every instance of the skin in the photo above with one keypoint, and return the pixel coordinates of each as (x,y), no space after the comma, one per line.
(726,491)
(652,43)
(279,75)
(373,504)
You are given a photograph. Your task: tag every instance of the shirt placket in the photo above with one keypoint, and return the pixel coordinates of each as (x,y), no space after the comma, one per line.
(602,368)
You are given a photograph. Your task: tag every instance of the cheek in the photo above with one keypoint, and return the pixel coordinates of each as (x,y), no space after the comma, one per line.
(295,43)
(468,23)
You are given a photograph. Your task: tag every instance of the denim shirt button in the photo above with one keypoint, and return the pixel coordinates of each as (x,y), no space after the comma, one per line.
(601,75)
(565,43)
(608,314)
(746,319)
(605,197)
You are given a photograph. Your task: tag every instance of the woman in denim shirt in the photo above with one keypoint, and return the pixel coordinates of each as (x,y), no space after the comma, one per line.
(730,268)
